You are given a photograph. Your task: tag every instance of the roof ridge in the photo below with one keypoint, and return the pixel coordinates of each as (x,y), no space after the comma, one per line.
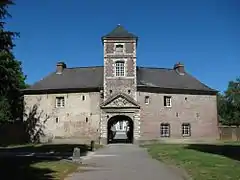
(146,67)
(81,67)
(149,67)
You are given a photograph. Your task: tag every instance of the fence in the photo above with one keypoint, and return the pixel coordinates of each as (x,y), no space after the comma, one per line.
(229,133)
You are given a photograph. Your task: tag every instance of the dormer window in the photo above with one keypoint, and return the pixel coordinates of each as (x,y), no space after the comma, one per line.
(119,68)
(119,48)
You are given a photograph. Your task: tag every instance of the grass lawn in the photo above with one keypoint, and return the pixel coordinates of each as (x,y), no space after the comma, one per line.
(47,167)
(57,169)
(201,161)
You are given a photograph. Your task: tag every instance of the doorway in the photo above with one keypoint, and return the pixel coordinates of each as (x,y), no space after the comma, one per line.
(120,129)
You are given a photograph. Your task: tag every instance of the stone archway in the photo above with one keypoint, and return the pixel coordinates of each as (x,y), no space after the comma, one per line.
(120,129)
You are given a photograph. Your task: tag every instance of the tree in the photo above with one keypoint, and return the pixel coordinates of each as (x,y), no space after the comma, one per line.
(229,104)
(6,37)
(11,75)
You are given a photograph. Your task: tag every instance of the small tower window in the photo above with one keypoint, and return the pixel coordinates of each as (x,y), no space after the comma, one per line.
(119,48)
(119,68)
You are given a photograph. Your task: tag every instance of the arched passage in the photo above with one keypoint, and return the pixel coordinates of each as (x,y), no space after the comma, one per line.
(120,129)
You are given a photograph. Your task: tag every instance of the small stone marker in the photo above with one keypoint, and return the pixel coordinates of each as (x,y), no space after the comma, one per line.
(76,154)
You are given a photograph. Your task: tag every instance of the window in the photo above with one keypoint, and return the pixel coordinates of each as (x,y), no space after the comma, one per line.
(147,100)
(167,101)
(119,48)
(165,130)
(186,129)
(83,98)
(119,68)
(86,119)
(57,120)
(60,102)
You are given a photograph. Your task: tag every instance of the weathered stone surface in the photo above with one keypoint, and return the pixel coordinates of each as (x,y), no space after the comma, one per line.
(77,119)
(76,154)
(198,110)
(85,120)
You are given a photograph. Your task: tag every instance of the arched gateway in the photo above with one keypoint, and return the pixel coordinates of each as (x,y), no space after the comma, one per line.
(120,129)
(120,120)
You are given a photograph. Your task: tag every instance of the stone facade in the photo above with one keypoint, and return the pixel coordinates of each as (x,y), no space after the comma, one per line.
(77,119)
(200,111)
(85,115)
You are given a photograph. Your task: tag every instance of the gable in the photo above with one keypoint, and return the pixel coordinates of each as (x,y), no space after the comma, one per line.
(120,101)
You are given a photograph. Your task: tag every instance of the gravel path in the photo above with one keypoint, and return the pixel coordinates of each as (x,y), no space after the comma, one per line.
(124,161)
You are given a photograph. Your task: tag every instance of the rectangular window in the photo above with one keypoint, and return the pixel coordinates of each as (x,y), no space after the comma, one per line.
(165,130)
(186,130)
(147,100)
(167,101)
(119,48)
(60,102)
(119,68)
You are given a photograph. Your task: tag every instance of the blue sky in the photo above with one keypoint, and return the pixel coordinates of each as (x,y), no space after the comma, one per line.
(203,34)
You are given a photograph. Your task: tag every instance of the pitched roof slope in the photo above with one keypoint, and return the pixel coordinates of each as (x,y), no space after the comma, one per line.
(168,78)
(71,78)
(92,77)
(119,32)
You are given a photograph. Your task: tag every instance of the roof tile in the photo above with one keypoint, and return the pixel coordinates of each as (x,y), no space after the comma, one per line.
(92,77)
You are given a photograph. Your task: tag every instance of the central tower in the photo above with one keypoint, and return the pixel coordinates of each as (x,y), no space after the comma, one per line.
(120,63)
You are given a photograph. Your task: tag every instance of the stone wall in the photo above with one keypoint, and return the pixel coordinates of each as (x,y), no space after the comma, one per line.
(198,110)
(78,119)
(81,119)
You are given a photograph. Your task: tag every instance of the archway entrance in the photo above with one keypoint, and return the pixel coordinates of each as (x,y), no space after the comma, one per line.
(120,129)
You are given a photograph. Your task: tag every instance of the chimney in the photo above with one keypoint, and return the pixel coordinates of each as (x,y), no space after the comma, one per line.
(60,67)
(179,68)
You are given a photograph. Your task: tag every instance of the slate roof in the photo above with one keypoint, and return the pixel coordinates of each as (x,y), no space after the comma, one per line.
(92,77)
(119,32)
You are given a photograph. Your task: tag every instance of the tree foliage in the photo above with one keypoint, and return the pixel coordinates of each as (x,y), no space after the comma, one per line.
(229,104)
(11,75)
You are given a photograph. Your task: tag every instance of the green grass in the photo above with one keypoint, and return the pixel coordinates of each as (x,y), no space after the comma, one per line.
(48,167)
(57,169)
(202,162)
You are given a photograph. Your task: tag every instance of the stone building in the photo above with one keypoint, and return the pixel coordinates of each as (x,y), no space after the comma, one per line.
(158,103)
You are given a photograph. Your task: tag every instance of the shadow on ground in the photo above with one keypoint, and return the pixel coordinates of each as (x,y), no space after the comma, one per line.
(230,151)
(117,141)
(16,164)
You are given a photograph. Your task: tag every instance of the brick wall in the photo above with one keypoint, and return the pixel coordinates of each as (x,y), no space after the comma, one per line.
(126,84)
